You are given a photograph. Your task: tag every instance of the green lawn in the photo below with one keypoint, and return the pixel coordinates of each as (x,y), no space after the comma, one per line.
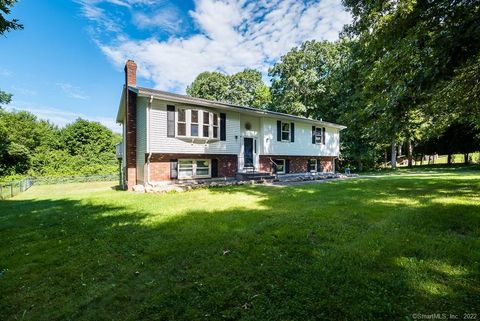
(365,249)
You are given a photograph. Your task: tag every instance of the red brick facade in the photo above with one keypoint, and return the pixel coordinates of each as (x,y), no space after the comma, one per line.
(298,164)
(228,164)
(160,164)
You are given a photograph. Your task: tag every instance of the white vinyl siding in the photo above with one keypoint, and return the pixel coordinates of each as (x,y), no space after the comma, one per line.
(263,129)
(303,141)
(141,137)
(160,143)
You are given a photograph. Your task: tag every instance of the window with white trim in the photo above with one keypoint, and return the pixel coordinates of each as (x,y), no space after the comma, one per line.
(318,135)
(197,123)
(280,166)
(285,132)
(215,125)
(206,124)
(194,168)
(312,165)
(182,122)
(194,123)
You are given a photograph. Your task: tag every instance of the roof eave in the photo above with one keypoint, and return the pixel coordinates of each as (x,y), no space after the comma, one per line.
(224,106)
(121,108)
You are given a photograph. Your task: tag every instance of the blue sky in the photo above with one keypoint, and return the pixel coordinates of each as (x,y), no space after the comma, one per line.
(68,61)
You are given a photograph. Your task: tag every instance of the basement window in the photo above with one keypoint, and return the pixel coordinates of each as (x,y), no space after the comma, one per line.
(193,168)
(312,165)
(280,166)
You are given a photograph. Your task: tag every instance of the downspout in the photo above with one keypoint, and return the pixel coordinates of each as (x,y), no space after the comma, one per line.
(148,141)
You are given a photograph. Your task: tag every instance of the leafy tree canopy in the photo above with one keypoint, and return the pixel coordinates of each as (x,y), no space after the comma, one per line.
(209,85)
(36,147)
(82,136)
(302,82)
(244,88)
(5,98)
(7,25)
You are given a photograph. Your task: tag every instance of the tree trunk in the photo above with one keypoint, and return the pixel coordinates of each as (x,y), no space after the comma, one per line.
(449,159)
(360,166)
(394,155)
(386,158)
(421,160)
(410,153)
(465,158)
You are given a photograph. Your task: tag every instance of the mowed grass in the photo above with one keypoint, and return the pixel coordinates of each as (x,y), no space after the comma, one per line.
(381,248)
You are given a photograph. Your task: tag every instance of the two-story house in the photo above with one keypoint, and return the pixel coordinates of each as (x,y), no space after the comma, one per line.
(174,137)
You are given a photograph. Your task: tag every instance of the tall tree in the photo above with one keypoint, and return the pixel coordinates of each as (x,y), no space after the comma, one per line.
(247,88)
(407,50)
(209,85)
(83,136)
(302,81)
(244,88)
(21,134)
(322,80)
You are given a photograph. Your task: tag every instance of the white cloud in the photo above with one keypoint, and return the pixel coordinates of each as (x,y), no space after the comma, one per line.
(5,72)
(72,91)
(166,18)
(231,35)
(61,117)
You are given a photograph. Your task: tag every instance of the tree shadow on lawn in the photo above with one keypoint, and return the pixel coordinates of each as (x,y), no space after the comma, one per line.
(309,252)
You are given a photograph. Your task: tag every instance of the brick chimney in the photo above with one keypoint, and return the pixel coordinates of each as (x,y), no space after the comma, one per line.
(130,125)
(131,73)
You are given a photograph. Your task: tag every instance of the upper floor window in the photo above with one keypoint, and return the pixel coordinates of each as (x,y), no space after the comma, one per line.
(215,125)
(206,124)
(194,123)
(197,123)
(285,131)
(319,135)
(182,122)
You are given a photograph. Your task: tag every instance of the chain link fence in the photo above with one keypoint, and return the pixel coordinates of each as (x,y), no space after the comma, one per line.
(52,180)
(13,188)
